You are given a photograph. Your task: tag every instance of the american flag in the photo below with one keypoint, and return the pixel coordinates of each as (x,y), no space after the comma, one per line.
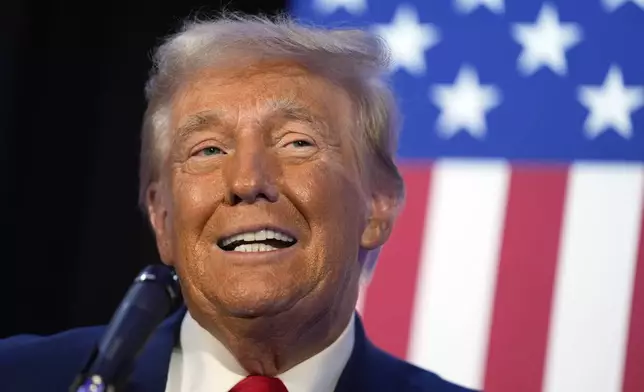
(518,262)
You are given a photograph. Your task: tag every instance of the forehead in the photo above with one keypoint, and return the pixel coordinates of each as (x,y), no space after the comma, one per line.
(258,89)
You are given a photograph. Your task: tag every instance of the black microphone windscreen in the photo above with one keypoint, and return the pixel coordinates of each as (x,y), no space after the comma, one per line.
(149,300)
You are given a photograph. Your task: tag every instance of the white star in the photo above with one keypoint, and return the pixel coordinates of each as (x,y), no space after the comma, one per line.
(355,7)
(464,104)
(611,105)
(545,43)
(408,40)
(467,6)
(612,5)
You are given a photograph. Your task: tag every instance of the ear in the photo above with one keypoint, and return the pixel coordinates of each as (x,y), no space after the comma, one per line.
(158,214)
(383,213)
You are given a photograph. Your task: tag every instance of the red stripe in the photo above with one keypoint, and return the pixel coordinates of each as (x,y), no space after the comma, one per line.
(634,367)
(528,259)
(390,296)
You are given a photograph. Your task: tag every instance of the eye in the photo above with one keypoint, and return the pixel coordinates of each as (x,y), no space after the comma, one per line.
(300,143)
(209,151)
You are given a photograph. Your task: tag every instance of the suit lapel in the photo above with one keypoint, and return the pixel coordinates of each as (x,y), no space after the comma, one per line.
(362,372)
(150,372)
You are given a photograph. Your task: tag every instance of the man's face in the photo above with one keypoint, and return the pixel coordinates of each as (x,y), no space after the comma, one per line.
(264,208)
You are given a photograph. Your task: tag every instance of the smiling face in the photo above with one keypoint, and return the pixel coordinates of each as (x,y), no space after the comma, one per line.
(261,208)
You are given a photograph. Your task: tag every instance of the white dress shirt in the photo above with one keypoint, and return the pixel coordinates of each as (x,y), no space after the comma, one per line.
(203,364)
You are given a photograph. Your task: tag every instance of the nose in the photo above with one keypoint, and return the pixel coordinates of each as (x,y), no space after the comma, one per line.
(249,176)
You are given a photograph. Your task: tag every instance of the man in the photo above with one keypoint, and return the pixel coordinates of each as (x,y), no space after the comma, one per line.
(267,175)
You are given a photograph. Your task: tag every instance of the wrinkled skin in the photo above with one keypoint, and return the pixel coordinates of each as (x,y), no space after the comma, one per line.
(267,146)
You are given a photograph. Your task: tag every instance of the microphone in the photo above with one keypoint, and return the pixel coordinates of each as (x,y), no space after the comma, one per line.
(154,293)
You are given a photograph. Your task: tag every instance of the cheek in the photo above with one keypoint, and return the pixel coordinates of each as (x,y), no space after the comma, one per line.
(327,182)
(194,203)
(342,193)
(335,208)
(193,206)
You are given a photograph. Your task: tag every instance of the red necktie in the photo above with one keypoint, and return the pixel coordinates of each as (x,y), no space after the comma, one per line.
(259,384)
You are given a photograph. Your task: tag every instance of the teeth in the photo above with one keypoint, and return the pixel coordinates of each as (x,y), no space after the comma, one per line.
(254,248)
(259,235)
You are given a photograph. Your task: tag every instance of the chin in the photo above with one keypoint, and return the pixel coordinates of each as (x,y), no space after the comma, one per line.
(249,298)
(253,307)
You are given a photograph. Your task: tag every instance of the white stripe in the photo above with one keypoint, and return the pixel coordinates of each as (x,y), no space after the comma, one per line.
(595,279)
(450,325)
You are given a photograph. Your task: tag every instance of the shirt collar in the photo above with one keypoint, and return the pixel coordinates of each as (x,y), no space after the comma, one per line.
(208,365)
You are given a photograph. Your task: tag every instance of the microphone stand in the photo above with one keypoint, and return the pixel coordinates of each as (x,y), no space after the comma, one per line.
(154,293)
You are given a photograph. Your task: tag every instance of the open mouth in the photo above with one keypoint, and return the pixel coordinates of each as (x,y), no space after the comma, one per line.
(265,240)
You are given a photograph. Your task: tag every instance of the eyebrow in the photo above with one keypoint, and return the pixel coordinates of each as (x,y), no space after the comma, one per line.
(295,111)
(281,107)
(198,122)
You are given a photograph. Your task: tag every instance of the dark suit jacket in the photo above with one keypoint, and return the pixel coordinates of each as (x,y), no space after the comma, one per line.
(31,363)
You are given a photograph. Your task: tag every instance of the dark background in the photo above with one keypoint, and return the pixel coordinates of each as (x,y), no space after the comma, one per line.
(71,104)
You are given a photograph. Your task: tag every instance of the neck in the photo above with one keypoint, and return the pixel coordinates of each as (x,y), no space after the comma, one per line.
(271,345)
